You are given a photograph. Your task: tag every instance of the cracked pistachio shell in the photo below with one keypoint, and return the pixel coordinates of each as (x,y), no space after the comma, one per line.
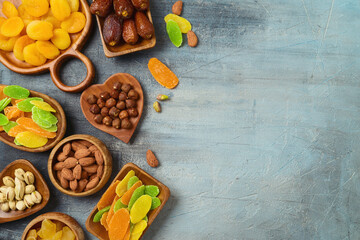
(36,197)
(20,205)
(10,194)
(29,178)
(19,173)
(3,189)
(5,207)
(19,192)
(2,197)
(12,205)
(9,181)
(28,201)
(18,181)
(29,189)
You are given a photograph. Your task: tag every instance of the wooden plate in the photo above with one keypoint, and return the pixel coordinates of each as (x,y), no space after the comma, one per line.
(107,164)
(60,114)
(40,186)
(99,231)
(56,216)
(122,134)
(124,48)
(77,42)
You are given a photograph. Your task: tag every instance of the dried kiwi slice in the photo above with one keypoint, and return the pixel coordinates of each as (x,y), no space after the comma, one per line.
(17,92)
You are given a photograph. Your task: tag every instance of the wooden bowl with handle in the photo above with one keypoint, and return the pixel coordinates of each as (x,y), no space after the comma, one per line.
(60,115)
(100,232)
(56,216)
(77,42)
(40,186)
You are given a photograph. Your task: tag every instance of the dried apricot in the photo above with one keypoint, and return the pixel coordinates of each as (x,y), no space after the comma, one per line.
(162,73)
(39,30)
(125,199)
(119,224)
(31,126)
(20,43)
(12,27)
(13,113)
(74,5)
(16,130)
(49,17)
(36,8)
(9,9)
(61,39)
(47,49)
(60,9)
(7,44)
(33,56)
(27,18)
(75,23)
(30,139)
(111,211)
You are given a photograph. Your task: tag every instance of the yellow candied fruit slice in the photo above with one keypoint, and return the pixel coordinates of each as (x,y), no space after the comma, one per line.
(12,27)
(139,227)
(49,17)
(33,56)
(140,208)
(48,229)
(68,234)
(9,9)
(60,9)
(7,44)
(75,23)
(121,188)
(47,49)
(57,236)
(31,140)
(19,46)
(74,5)
(32,235)
(184,24)
(36,8)
(40,30)
(61,39)
(135,236)
(43,105)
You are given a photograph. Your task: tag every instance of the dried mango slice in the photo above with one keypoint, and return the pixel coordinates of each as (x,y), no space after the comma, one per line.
(61,39)
(111,211)
(152,190)
(9,9)
(121,188)
(30,125)
(12,27)
(140,208)
(67,234)
(49,17)
(48,229)
(99,214)
(39,30)
(155,203)
(20,43)
(108,196)
(74,5)
(43,105)
(3,103)
(174,33)
(33,56)
(3,120)
(125,199)
(127,234)
(16,130)
(60,9)
(1,128)
(25,104)
(139,227)
(47,49)
(119,224)
(136,195)
(13,113)
(75,23)
(103,221)
(7,44)
(32,235)
(9,126)
(36,8)
(184,24)
(162,73)
(17,92)
(31,140)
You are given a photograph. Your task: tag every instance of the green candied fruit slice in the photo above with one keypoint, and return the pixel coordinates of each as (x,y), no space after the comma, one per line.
(17,143)
(132,181)
(26,106)
(41,122)
(152,190)
(53,128)
(4,103)
(46,119)
(9,126)
(3,120)
(174,32)
(136,194)
(17,92)
(99,214)
(146,219)
(155,202)
(119,205)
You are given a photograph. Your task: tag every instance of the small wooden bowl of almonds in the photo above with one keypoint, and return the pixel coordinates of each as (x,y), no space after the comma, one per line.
(80,165)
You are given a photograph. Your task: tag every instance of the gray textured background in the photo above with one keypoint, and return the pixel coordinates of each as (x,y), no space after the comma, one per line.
(260,139)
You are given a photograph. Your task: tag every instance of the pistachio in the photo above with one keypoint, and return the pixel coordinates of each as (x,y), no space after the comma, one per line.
(156,106)
(20,205)
(18,181)
(36,197)
(9,181)
(29,189)
(28,201)
(10,194)
(29,177)
(19,191)
(19,173)
(5,207)
(2,197)
(162,97)
(3,189)
(12,205)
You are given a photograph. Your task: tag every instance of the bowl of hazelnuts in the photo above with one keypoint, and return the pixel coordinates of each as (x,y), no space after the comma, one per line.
(115,106)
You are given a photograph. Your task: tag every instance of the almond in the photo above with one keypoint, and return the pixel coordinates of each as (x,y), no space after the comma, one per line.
(93,148)
(77,172)
(73,184)
(67,149)
(91,168)
(58,166)
(77,146)
(61,157)
(81,153)
(64,183)
(58,174)
(192,39)
(177,8)
(84,174)
(93,183)
(67,174)
(92,176)
(99,158)
(70,162)
(86,161)
(100,171)
(85,143)
(151,159)
(81,185)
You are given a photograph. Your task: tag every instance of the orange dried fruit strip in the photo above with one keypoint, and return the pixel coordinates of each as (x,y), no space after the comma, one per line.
(103,221)
(111,211)
(108,196)
(13,113)
(119,224)
(31,126)
(125,199)
(162,73)
(16,130)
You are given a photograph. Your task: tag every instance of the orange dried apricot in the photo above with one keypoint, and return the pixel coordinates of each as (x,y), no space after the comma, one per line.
(74,5)
(119,224)
(12,27)
(36,8)
(103,221)
(39,30)
(75,23)
(47,49)
(27,18)
(108,196)
(31,126)
(7,44)
(61,39)
(12,113)
(162,73)
(49,17)
(111,211)
(20,43)
(9,9)
(60,9)
(33,56)
(16,130)
(125,199)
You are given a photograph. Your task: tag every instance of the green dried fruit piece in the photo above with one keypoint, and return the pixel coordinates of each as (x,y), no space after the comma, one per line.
(162,97)
(146,219)
(26,106)
(9,126)
(41,122)
(3,120)
(4,102)
(44,116)
(152,190)
(99,214)
(136,194)
(53,128)
(132,181)
(118,205)
(155,202)
(174,32)
(17,92)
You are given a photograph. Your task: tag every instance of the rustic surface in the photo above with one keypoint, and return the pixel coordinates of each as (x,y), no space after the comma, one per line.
(260,139)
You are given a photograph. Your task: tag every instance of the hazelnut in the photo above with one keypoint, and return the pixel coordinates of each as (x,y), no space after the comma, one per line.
(94,109)
(122,96)
(121,105)
(125,123)
(133,112)
(114,94)
(110,103)
(98,118)
(130,103)
(116,123)
(105,96)
(104,111)
(126,87)
(114,112)
(133,94)
(107,121)
(117,86)
(123,114)
(100,103)
(91,99)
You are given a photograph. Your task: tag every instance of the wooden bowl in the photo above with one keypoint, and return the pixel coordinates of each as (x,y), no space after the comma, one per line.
(77,42)
(125,48)
(107,164)
(40,186)
(99,231)
(56,216)
(60,114)
(122,134)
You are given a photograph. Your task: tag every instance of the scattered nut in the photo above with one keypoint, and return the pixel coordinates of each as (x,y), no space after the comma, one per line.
(77,172)
(192,39)
(81,153)
(111,102)
(100,103)
(116,123)
(121,105)
(117,86)
(114,94)
(162,97)
(19,191)
(71,162)
(177,8)
(107,121)
(123,114)
(122,96)
(151,159)
(156,106)
(73,184)
(132,94)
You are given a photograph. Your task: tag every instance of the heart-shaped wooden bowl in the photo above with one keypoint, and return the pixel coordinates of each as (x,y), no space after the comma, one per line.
(122,134)
(40,186)
(99,231)
(60,114)
(77,42)
(125,48)
(56,216)
(107,164)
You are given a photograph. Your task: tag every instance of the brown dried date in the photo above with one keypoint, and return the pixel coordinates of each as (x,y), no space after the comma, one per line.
(140,5)
(143,26)
(102,8)
(129,33)
(112,30)
(123,8)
